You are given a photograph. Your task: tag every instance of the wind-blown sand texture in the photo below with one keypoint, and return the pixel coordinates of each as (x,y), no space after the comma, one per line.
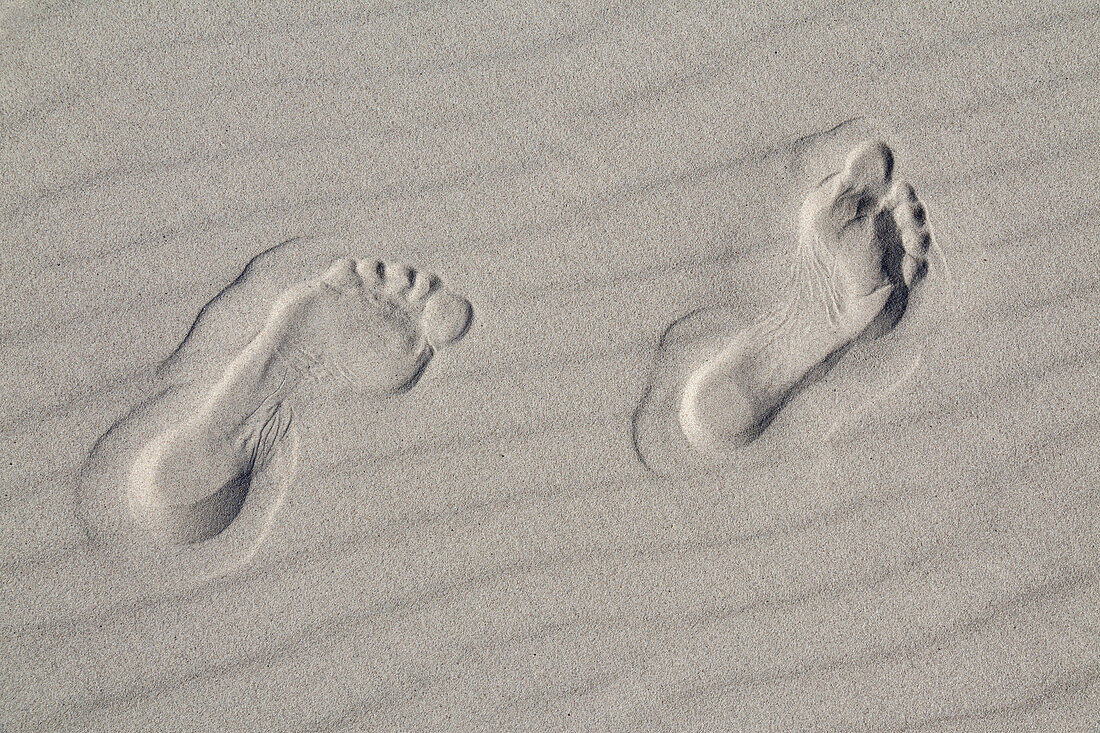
(383,367)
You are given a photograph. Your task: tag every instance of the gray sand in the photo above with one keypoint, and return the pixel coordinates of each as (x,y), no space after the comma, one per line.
(522,537)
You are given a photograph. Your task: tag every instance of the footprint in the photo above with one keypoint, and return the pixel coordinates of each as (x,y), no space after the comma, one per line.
(862,243)
(186,483)
(368,327)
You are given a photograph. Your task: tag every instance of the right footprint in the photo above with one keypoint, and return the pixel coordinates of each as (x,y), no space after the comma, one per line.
(862,243)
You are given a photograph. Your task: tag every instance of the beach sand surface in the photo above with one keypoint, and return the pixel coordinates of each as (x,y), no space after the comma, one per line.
(522,538)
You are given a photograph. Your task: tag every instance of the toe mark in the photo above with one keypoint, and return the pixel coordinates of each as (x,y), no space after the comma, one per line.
(924,241)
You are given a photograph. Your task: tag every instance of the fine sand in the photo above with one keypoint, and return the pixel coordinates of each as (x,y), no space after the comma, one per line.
(615,367)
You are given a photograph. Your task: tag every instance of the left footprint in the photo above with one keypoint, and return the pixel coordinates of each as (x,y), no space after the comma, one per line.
(367,326)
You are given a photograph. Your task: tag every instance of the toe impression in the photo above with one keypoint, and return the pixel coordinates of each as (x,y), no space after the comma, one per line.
(446,318)
(869,164)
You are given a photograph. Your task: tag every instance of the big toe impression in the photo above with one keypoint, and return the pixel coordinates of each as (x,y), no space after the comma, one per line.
(869,165)
(342,274)
(446,318)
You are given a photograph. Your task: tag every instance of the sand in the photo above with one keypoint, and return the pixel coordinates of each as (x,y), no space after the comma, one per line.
(483,512)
